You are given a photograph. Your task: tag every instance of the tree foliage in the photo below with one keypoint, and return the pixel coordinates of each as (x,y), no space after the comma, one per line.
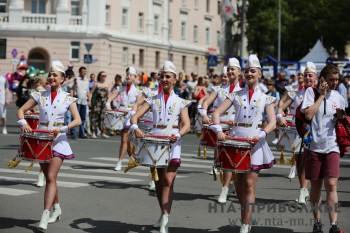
(303,23)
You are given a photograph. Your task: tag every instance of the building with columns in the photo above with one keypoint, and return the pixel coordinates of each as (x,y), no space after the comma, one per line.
(121,33)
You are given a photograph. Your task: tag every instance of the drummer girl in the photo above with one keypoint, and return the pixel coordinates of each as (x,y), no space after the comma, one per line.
(170,113)
(217,97)
(53,104)
(250,103)
(128,95)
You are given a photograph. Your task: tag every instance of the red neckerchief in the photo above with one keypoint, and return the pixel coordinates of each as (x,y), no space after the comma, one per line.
(300,87)
(160,89)
(166,97)
(250,94)
(232,86)
(128,89)
(53,95)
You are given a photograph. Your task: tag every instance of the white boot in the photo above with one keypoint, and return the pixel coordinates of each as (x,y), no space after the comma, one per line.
(56,213)
(119,165)
(152,186)
(158,223)
(44,220)
(292,172)
(41,179)
(164,224)
(223,195)
(303,195)
(245,228)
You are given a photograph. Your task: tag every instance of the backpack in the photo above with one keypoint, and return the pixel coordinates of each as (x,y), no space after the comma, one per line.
(300,118)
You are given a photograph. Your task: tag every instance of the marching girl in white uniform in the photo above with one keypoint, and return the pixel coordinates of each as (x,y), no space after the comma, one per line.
(128,95)
(217,97)
(167,108)
(147,119)
(53,104)
(250,104)
(293,100)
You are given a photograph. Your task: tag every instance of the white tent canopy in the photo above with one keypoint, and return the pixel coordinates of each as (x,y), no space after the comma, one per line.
(317,54)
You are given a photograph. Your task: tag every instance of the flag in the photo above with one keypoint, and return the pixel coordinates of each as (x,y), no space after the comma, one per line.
(226,10)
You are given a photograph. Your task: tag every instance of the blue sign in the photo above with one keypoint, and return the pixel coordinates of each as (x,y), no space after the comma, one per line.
(14,53)
(212,60)
(87,58)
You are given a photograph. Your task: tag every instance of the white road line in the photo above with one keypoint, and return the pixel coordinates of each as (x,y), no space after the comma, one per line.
(78,176)
(15,192)
(31,181)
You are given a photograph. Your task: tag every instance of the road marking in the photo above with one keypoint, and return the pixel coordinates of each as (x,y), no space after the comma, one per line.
(15,192)
(78,176)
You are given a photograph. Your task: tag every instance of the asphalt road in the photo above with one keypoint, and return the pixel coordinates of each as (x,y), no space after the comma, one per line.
(95,198)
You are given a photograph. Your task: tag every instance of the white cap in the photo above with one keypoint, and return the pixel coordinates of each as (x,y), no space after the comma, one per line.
(57,66)
(224,70)
(168,67)
(131,70)
(233,62)
(301,70)
(253,61)
(310,67)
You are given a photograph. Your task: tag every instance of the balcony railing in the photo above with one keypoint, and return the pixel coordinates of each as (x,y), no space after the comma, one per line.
(4,17)
(76,20)
(39,19)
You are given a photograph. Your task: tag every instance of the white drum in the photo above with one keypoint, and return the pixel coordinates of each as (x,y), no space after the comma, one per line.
(288,139)
(153,152)
(114,120)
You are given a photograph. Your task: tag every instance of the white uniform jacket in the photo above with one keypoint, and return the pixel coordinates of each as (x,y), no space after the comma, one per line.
(297,97)
(222,93)
(127,100)
(46,111)
(252,113)
(163,113)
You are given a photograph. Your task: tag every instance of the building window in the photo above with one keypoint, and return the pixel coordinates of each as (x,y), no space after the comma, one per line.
(196,4)
(170,28)
(75,8)
(2,6)
(157,59)
(38,6)
(156,24)
(218,39)
(142,57)
(195,33)
(196,64)
(207,36)
(125,16)
(208,6)
(140,21)
(75,50)
(133,59)
(2,48)
(184,63)
(125,56)
(110,54)
(108,14)
(183,30)
(219,7)
(183,2)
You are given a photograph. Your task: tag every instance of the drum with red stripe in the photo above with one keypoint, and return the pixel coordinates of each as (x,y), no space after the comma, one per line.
(37,145)
(234,155)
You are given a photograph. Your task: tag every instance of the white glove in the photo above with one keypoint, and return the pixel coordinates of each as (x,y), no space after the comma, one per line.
(22,122)
(64,129)
(216,127)
(262,134)
(133,127)
(178,135)
(202,111)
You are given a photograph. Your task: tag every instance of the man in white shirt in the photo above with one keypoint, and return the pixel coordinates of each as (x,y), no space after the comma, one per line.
(82,93)
(4,101)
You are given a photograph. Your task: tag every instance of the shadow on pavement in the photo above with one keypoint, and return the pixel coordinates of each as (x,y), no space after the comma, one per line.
(8,223)
(97,226)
